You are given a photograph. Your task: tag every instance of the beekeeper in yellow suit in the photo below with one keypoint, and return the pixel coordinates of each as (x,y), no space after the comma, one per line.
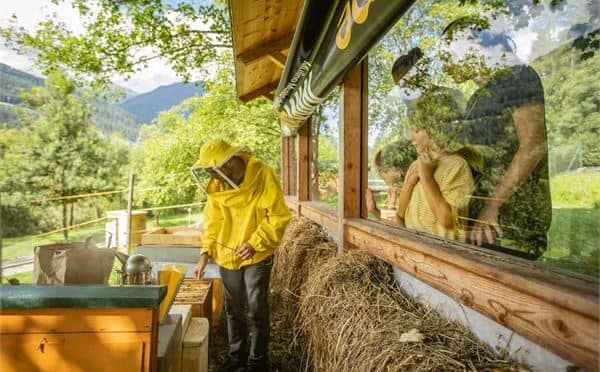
(244,220)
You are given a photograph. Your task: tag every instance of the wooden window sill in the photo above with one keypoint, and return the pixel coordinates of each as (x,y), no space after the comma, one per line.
(552,307)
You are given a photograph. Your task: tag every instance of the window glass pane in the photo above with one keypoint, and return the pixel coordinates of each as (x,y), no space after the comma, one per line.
(484,125)
(324,156)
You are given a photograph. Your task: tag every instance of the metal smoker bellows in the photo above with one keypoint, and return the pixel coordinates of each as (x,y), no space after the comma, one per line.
(135,269)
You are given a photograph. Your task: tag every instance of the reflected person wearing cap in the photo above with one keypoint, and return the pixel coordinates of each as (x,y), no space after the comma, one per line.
(244,221)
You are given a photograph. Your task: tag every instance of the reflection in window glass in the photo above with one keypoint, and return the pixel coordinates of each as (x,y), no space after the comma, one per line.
(324,156)
(483,127)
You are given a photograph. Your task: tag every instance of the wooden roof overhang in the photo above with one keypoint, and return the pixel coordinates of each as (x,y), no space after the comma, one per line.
(262,34)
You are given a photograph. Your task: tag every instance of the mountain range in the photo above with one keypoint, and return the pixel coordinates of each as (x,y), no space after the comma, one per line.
(146,106)
(125,117)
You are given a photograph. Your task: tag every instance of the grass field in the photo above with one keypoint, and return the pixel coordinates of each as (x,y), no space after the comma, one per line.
(574,240)
(23,246)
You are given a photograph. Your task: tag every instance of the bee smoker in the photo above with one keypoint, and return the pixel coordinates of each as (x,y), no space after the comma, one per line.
(135,269)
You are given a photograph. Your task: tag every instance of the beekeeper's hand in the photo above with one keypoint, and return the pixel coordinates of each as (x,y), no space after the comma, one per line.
(245,251)
(199,269)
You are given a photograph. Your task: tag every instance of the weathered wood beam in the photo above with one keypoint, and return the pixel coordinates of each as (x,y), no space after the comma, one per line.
(320,214)
(265,50)
(303,175)
(265,89)
(364,160)
(278,59)
(285,164)
(350,172)
(293,166)
(292,202)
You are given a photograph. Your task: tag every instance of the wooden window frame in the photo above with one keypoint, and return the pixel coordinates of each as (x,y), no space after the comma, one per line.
(551,307)
(301,203)
(288,165)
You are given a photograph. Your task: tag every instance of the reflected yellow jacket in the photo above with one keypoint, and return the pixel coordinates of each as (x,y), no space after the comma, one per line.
(255,213)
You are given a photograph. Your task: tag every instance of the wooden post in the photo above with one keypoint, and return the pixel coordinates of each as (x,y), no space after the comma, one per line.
(314,129)
(351,130)
(364,124)
(293,163)
(129,208)
(303,169)
(288,165)
(284,175)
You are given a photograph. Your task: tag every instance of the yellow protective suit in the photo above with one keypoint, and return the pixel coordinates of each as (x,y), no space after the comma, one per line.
(256,213)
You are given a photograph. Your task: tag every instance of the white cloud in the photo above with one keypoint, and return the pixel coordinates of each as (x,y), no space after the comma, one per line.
(13,59)
(524,39)
(157,74)
(31,12)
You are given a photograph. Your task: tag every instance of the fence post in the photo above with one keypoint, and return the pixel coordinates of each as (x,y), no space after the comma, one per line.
(129,207)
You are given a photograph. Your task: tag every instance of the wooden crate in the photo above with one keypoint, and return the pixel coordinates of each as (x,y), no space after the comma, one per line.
(179,236)
(198,294)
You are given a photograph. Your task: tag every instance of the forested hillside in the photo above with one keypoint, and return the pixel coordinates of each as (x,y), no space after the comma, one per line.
(147,106)
(108,118)
(124,117)
(569,77)
(13,82)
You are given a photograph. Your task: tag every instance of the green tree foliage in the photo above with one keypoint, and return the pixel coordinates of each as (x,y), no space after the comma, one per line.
(324,149)
(572,101)
(123,36)
(17,217)
(58,153)
(170,147)
(420,27)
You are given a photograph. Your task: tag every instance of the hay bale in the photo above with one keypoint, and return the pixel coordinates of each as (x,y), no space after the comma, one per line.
(352,316)
(346,313)
(305,245)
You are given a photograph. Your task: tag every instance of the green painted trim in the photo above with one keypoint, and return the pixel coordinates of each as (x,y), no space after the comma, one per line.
(90,296)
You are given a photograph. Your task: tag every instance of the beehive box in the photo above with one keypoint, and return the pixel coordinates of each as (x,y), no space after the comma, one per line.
(178,236)
(198,294)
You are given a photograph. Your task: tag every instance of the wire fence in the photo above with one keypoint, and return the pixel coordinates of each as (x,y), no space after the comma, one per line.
(74,226)
(88,195)
(19,246)
(71,227)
